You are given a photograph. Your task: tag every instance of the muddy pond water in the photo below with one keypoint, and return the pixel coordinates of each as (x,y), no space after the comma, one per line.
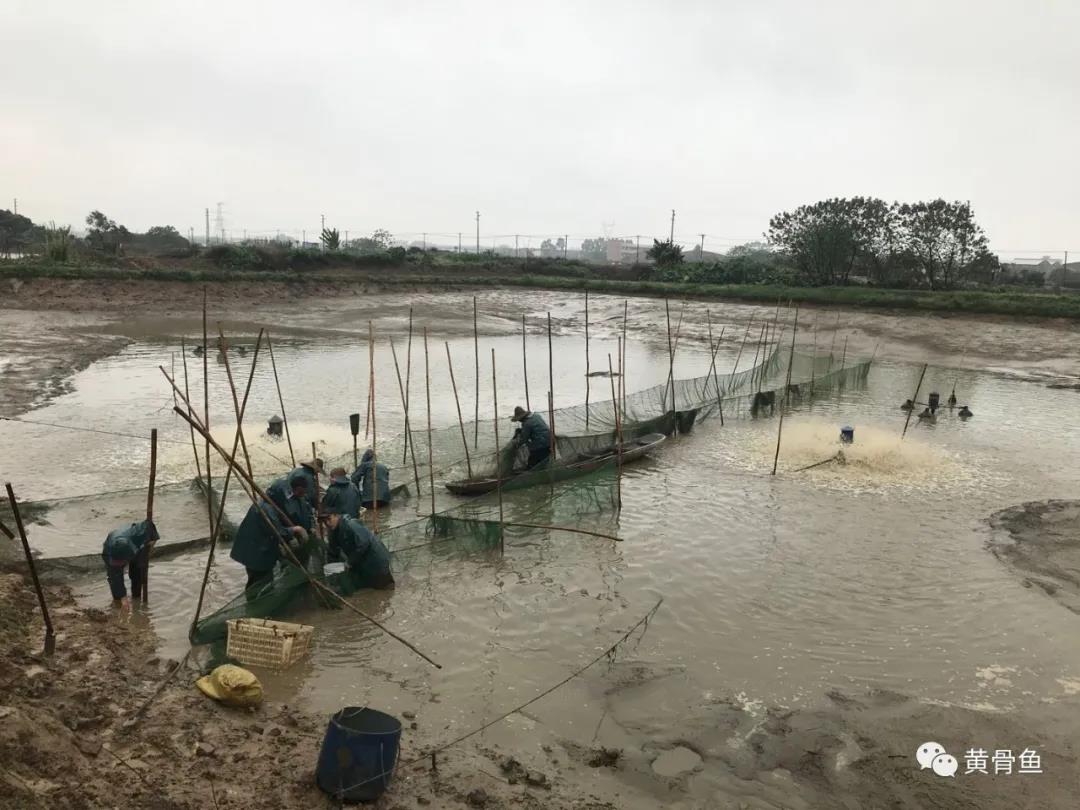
(871,574)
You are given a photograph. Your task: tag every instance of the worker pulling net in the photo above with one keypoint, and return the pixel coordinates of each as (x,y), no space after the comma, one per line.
(469,528)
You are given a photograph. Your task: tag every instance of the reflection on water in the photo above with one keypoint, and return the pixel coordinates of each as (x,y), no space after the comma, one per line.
(868,574)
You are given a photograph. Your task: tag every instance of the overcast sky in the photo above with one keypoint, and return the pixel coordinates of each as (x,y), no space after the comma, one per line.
(549,118)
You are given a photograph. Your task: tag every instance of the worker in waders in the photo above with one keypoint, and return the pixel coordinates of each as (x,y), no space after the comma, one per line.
(291,495)
(373,479)
(341,496)
(367,560)
(258,543)
(127,548)
(534,435)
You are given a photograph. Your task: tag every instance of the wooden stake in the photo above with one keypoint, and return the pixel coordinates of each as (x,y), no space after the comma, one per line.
(622,361)
(408,378)
(524,364)
(232,387)
(476,352)
(813,363)
(457,404)
(738,356)
(145,551)
(281,401)
(174,376)
(216,529)
(787,392)
(430,456)
(618,435)
(495,422)
(914,402)
(206,417)
(408,427)
(551,389)
(671,363)
(587,369)
(832,345)
(712,365)
(50,635)
(374,433)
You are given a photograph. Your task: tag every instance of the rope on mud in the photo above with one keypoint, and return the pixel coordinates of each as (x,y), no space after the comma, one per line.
(608,653)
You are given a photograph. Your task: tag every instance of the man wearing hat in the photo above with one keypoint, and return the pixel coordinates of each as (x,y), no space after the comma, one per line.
(292,494)
(310,470)
(122,548)
(367,559)
(533,434)
(341,496)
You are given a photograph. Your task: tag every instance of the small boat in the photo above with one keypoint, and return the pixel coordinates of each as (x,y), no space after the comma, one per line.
(582,464)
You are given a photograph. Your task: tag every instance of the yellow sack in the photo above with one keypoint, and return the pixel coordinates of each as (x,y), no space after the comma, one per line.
(232,685)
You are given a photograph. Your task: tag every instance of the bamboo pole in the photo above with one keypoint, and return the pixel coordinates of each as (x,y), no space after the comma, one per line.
(787,392)
(524,365)
(622,361)
(712,365)
(408,427)
(281,401)
(430,456)
(457,404)
(618,435)
(236,406)
(225,487)
(187,393)
(374,432)
(551,390)
(173,361)
(408,378)
(149,514)
(914,401)
(588,381)
(50,635)
(367,404)
(738,355)
(498,473)
(206,417)
(832,345)
(755,371)
(255,493)
(476,353)
(813,363)
(671,364)
(318,488)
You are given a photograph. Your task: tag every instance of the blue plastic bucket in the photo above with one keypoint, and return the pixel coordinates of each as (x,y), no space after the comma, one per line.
(358,754)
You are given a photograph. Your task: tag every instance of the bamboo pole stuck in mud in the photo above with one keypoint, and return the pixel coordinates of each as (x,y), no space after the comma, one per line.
(712,365)
(281,401)
(671,362)
(255,493)
(236,406)
(498,472)
(524,365)
(914,401)
(145,551)
(787,391)
(755,370)
(408,427)
(618,435)
(367,405)
(187,395)
(622,357)
(173,368)
(50,635)
(832,344)
(457,404)
(374,432)
(738,355)
(405,402)
(813,363)
(206,416)
(551,392)
(588,381)
(430,451)
(216,529)
(476,354)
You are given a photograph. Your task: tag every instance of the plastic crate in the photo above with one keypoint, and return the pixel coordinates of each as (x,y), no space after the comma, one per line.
(267,643)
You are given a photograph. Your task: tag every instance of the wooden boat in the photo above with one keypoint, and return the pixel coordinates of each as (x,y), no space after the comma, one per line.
(582,464)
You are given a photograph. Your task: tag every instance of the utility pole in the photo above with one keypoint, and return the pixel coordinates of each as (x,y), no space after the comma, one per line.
(477,233)
(515,245)
(565,245)
(672,237)
(637,250)
(208,227)
(459,241)
(701,250)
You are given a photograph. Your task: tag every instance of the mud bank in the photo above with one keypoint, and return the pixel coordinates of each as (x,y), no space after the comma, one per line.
(1040,540)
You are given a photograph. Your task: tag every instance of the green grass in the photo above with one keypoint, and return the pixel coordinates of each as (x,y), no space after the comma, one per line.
(1009,302)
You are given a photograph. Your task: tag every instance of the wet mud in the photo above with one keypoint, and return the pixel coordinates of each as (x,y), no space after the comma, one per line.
(1041,541)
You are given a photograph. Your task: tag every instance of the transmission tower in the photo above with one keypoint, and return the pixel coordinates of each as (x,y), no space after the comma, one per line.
(219,221)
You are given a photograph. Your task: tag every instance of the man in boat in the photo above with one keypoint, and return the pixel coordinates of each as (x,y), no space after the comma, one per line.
(341,496)
(533,434)
(127,548)
(373,480)
(258,542)
(290,494)
(366,558)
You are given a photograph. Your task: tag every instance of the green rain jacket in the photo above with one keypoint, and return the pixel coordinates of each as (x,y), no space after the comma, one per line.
(341,498)
(256,546)
(534,432)
(299,510)
(368,559)
(372,477)
(122,545)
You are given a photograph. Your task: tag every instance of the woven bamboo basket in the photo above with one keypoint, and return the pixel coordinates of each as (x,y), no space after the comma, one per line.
(268,643)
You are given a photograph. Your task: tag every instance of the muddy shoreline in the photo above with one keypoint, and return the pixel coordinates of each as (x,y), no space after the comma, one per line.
(1040,541)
